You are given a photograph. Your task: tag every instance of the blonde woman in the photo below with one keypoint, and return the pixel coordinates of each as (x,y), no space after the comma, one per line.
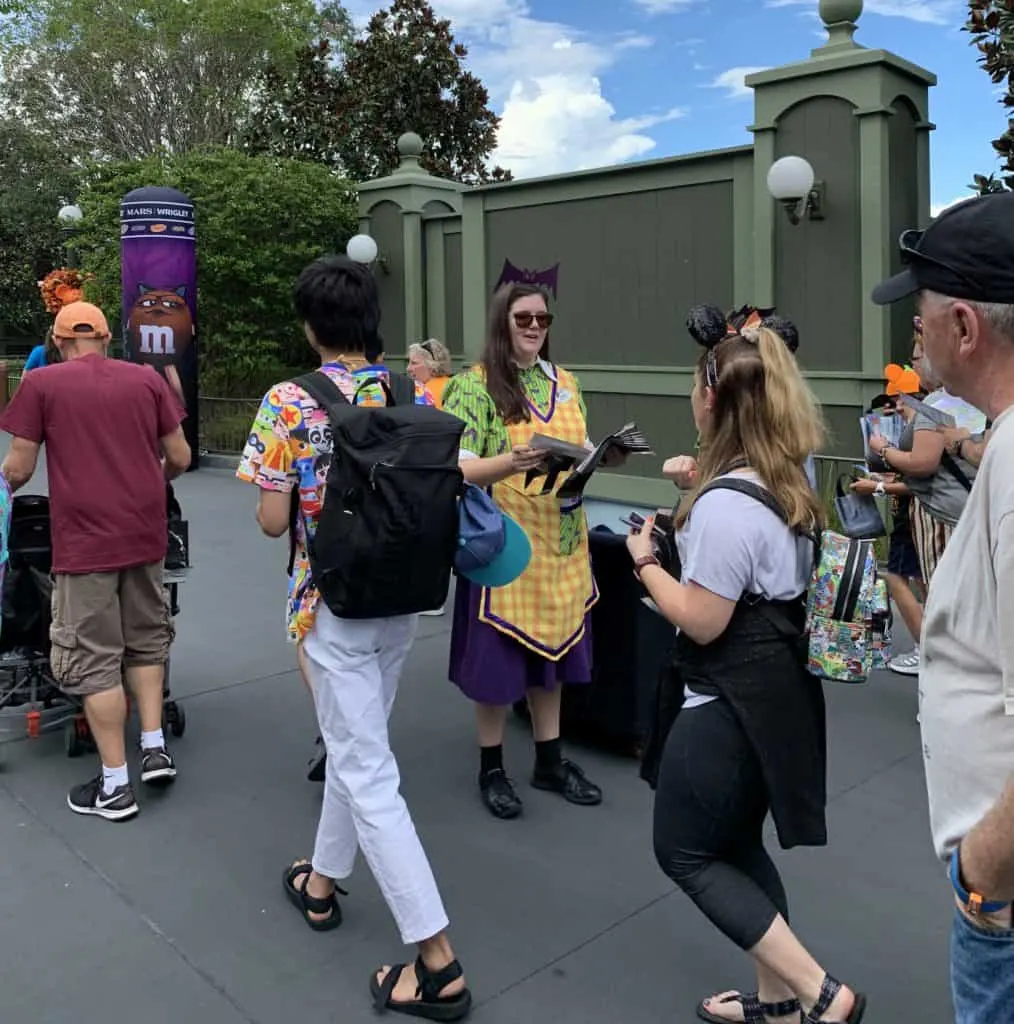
(749,734)
(429,364)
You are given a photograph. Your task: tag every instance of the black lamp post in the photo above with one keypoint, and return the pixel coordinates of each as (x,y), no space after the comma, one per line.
(69,218)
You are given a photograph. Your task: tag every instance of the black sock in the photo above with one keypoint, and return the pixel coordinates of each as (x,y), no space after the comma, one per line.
(491,759)
(547,755)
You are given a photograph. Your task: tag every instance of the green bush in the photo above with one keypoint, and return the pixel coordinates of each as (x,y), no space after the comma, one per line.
(259,221)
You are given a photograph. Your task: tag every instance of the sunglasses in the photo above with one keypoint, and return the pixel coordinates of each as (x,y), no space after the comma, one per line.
(524,320)
(908,244)
(427,347)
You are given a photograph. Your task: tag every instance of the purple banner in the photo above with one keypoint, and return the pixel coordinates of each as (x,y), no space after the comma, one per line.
(158,253)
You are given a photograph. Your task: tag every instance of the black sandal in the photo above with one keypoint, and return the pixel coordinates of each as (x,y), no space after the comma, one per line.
(754,1011)
(307,904)
(429,1003)
(828,990)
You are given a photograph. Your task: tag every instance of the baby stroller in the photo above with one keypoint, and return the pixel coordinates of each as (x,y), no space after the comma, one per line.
(28,690)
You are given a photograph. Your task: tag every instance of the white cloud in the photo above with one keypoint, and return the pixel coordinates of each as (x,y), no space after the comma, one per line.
(733,81)
(663,6)
(937,12)
(544,78)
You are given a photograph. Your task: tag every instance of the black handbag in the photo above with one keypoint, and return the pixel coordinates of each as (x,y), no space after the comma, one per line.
(858,513)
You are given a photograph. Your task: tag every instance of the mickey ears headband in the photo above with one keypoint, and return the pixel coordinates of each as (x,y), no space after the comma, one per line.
(709,326)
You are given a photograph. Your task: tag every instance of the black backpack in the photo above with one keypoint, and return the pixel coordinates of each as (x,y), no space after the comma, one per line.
(388,528)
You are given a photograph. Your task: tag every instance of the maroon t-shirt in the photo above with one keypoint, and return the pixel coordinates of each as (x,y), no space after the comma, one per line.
(100,420)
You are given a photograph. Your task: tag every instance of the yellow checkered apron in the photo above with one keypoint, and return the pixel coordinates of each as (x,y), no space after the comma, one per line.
(544,608)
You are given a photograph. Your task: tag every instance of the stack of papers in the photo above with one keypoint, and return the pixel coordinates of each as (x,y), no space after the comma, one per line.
(564,456)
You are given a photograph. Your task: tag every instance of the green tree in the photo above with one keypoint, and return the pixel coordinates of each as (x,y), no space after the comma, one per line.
(36,179)
(260,220)
(991,26)
(121,79)
(347,104)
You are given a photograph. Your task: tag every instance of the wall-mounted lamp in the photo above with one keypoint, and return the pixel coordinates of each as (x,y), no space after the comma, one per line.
(792,182)
(363,249)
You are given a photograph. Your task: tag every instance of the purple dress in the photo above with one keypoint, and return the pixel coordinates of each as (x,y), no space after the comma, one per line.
(492,668)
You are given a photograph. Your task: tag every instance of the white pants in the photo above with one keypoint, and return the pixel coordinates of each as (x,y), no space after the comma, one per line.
(355,665)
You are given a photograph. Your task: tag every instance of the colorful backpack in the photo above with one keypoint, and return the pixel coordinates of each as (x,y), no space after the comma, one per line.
(848,612)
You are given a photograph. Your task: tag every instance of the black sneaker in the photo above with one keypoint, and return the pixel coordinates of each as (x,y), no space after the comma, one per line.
(89,799)
(157,766)
(499,795)
(570,782)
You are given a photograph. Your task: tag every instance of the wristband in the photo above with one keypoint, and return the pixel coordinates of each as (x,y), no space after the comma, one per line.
(643,562)
(972,902)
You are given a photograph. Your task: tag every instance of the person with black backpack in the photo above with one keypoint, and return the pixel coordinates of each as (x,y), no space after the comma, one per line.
(376,472)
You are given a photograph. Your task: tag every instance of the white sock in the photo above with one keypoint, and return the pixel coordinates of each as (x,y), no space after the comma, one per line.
(152,740)
(113,777)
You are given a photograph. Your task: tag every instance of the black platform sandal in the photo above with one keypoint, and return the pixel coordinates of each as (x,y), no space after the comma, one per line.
(307,904)
(828,990)
(754,1011)
(428,1003)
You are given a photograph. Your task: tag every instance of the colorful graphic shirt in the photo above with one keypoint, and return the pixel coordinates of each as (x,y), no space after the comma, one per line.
(289,447)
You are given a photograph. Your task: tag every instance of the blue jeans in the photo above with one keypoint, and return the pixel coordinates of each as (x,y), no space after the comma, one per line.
(982,972)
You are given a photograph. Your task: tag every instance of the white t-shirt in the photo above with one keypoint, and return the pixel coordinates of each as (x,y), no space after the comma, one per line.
(734,545)
(966,678)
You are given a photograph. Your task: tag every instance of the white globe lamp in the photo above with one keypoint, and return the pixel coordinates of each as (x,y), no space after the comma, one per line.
(69,215)
(792,182)
(362,249)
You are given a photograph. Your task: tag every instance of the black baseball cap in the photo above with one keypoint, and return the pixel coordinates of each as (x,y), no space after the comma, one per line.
(966,253)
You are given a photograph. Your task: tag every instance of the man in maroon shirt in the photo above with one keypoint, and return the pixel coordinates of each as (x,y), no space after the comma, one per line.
(113,437)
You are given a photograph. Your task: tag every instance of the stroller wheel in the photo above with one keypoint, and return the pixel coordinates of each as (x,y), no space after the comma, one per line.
(176,718)
(74,743)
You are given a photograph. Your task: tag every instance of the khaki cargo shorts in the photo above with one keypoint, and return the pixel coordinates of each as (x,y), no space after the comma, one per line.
(106,621)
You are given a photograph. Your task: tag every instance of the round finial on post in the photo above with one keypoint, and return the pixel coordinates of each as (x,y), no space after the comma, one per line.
(410,145)
(840,17)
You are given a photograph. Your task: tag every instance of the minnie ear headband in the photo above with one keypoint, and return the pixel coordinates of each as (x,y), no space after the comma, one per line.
(709,326)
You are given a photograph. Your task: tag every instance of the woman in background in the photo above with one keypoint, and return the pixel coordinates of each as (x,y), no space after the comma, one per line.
(45,354)
(429,363)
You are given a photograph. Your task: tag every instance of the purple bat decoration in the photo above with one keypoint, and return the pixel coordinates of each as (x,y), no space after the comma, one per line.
(546,279)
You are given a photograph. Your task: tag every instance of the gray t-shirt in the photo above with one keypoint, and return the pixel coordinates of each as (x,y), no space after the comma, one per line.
(942,494)
(966,678)
(732,544)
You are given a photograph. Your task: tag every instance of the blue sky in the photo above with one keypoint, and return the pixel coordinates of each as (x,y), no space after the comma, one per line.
(583,83)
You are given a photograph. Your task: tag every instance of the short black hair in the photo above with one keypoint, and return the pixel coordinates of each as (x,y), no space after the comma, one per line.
(785,329)
(337,298)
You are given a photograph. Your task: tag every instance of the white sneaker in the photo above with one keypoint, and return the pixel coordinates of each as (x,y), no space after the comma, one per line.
(906,664)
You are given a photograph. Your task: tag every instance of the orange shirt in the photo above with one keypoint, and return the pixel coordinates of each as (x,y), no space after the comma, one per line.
(435,388)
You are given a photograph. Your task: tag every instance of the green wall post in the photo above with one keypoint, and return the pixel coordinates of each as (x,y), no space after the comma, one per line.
(417,195)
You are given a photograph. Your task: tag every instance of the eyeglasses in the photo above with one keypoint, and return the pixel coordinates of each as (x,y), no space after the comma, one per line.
(427,346)
(908,244)
(917,324)
(525,320)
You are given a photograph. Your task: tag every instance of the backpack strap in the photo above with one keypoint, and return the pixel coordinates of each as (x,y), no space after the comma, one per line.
(948,462)
(750,489)
(402,389)
(325,393)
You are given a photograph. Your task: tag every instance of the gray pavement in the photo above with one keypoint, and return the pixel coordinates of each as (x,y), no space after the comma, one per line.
(561,915)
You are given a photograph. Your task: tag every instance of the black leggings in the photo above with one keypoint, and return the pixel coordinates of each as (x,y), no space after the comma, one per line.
(710,808)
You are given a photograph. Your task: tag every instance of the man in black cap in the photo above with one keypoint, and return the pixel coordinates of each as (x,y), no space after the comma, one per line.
(961,270)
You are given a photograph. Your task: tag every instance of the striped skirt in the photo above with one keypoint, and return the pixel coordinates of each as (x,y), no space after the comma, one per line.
(931,536)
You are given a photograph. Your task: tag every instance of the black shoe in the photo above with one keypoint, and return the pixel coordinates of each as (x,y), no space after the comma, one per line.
(570,782)
(157,766)
(89,799)
(499,795)
(318,764)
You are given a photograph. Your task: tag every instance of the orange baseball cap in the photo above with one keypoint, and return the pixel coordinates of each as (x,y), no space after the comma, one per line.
(81,320)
